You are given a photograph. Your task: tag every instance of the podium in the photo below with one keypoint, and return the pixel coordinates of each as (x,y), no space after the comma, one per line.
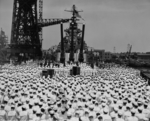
(47,72)
(76,70)
(50,72)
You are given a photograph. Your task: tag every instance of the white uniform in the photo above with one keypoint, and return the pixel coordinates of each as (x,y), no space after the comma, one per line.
(113,114)
(147,113)
(132,118)
(74,119)
(140,116)
(7,108)
(2,115)
(106,117)
(12,116)
(127,114)
(120,119)
(24,116)
(96,119)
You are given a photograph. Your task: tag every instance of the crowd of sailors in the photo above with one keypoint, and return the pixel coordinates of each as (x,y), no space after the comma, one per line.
(113,94)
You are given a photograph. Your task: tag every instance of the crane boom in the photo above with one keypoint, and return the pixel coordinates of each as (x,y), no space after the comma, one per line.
(130,50)
(49,22)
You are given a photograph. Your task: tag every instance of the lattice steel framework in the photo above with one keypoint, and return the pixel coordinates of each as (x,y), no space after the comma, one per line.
(41,18)
(26,33)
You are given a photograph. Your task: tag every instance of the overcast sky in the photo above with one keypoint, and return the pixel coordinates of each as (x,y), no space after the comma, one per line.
(109,23)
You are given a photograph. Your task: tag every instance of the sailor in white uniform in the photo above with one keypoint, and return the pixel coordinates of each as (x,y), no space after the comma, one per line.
(23,114)
(2,113)
(12,114)
(106,115)
(120,116)
(132,117)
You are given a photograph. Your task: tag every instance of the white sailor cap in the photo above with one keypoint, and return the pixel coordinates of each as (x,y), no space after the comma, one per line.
(12,106)
(116,108)
(38,111)
(133,110)
(6,98)
(113,115)
(91,106)
(51,112)
(120,112)
(140,108)
(106,110)
(129,105)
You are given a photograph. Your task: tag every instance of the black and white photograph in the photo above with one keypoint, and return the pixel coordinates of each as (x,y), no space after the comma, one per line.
(74,60)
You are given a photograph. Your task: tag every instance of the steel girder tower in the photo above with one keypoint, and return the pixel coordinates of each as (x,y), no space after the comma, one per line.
(40,18)
(26,32)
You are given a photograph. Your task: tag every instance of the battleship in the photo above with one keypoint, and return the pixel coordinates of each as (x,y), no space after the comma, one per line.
(73,43)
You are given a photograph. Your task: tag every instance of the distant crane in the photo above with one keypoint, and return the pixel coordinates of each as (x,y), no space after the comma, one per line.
(130,51)
(129,48)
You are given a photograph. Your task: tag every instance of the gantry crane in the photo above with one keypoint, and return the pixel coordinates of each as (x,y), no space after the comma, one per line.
(26,32)
(129,48)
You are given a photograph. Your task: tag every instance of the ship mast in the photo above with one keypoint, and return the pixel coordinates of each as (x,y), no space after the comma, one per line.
(73,26)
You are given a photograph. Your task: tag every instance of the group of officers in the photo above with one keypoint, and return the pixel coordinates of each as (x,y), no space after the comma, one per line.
(114,94)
